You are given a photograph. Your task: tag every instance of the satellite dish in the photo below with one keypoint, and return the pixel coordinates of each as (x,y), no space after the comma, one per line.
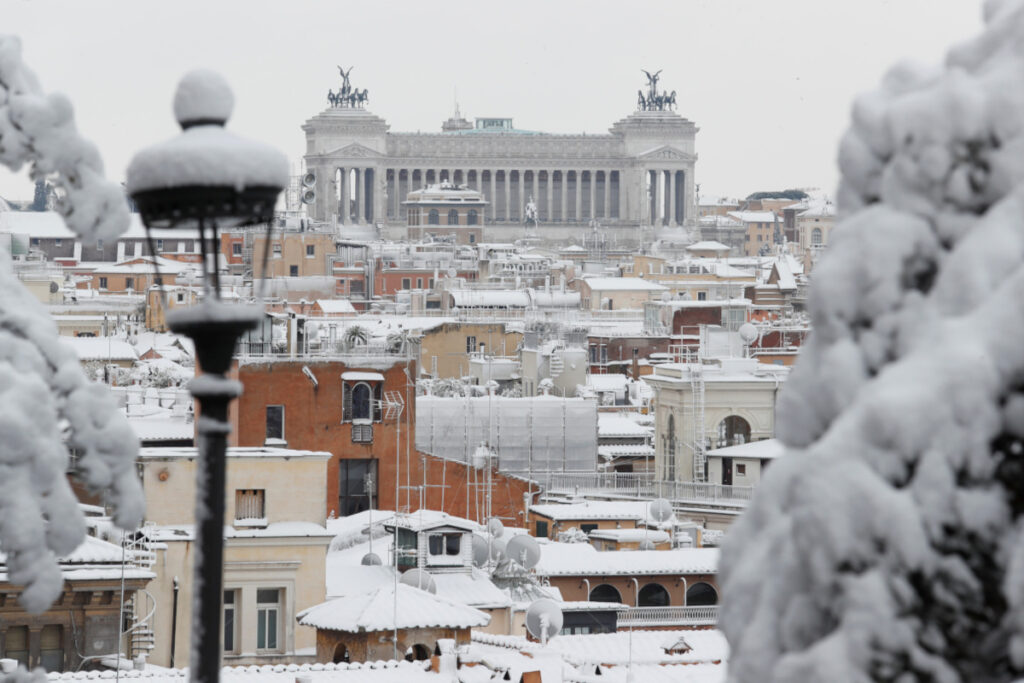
(371,559)
(417,578)
(495,527)
(543,619)
(748,333)
(660,510)
(480,551)
(666,296)
(646,544)
(524,549)
(452,272)
(497,550)
(54,288)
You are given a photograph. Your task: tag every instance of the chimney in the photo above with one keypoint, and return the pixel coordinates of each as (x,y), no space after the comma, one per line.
(636,363)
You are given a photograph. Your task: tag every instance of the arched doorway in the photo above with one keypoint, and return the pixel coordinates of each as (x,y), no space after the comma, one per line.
(733,431)
(605,593)
(701,593)
(654,595)
(340,654)
(417,653)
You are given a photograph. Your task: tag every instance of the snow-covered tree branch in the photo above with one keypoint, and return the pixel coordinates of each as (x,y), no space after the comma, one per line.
(46,403)
(888,545)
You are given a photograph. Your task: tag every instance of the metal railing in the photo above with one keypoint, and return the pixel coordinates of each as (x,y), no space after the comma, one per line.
(643,485)
(668,616)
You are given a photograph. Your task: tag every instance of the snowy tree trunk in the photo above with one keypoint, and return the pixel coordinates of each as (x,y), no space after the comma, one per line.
(888,545)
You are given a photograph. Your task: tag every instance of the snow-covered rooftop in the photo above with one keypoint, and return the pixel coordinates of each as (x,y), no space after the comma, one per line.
(764,449)
(376,611)
(626,284)
(582,559)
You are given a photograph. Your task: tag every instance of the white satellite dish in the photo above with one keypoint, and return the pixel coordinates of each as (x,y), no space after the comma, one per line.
(646,544)
(371,559)
(495,527)
(543,619)
(480,551)
(523,549)
(452,272)
(660,510)
(497,550)
(417,578)
(748,333)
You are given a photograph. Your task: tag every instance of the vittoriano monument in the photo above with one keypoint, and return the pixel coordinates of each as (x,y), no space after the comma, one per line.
(348,97)
(654,100)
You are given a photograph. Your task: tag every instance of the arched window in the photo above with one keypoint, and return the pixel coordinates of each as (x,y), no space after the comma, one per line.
(701,593)
(453,217)
(418,653)
(362,398)
(670,449)
(433,218)
(654,595)
(605,593)
(732,431)
(816,236)
(471,217)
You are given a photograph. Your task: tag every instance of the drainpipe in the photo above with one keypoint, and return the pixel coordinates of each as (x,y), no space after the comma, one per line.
(636,588)
(587,581)
(686,588)
(174,619)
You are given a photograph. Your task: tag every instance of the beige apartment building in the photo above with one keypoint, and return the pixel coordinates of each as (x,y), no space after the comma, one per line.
(275,551)
(293,254)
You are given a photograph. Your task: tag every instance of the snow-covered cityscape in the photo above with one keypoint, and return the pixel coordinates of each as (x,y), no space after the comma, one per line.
(464,401)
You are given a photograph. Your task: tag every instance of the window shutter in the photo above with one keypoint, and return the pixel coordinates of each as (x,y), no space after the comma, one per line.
(378,395)
(346,402)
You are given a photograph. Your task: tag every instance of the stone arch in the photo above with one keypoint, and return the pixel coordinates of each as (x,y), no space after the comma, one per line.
(654,595)
(701,593)
(341,654)
(732,431)
(605,593)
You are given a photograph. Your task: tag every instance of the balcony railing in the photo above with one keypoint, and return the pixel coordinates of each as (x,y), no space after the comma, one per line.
(644,485)
(634,617)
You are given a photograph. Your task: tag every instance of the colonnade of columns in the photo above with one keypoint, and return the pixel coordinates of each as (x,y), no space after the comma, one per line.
(666,196)
(561,195)
(355,195)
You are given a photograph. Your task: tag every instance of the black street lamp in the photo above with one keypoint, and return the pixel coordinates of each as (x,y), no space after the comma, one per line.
(208,179)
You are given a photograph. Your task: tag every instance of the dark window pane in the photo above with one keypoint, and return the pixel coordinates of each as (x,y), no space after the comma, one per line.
(275,422)
(269,595)
(361,398)
(453,544)
(435,544)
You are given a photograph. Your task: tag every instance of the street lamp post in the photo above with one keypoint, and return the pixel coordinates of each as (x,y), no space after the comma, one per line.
(208,179)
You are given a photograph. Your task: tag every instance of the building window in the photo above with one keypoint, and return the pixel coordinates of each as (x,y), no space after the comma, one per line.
(471,217)
(542,529)
(310,250)
(419,283)
(816,236)
(58,242)
(16,644)
(99,244)
(587,528)
(293,271)
(741,469)
(181,297)
(702,296)
(472,238)
(670,449)
(433,218)
(275,423)
(236,248)
(357,485)
(453,217)
(159,245)
(249,504)
(360,401)
(406,283)
(470,344)
(277,251)
(268,617)
(51,648)
(444,544)
(129,283)
(103,283)
(230,621)
(701,594)
(430,283)
(362,433)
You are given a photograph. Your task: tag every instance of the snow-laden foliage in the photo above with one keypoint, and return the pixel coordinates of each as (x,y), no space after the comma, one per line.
(39,129)
(46,399)
(888,545)
(46,403)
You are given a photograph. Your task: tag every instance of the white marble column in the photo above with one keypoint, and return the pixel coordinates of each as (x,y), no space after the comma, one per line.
(508,195)
(549,208)
(561,195)
(360,196)
(579,195)
(536,187)
(494,195)
(607,194)
(672,197)
(593,193)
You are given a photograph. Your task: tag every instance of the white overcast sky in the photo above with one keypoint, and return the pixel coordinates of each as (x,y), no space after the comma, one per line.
(768,82)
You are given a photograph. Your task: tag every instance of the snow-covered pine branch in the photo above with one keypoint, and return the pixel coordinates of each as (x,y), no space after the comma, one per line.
(888,545)
(46,403)
(39,129)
